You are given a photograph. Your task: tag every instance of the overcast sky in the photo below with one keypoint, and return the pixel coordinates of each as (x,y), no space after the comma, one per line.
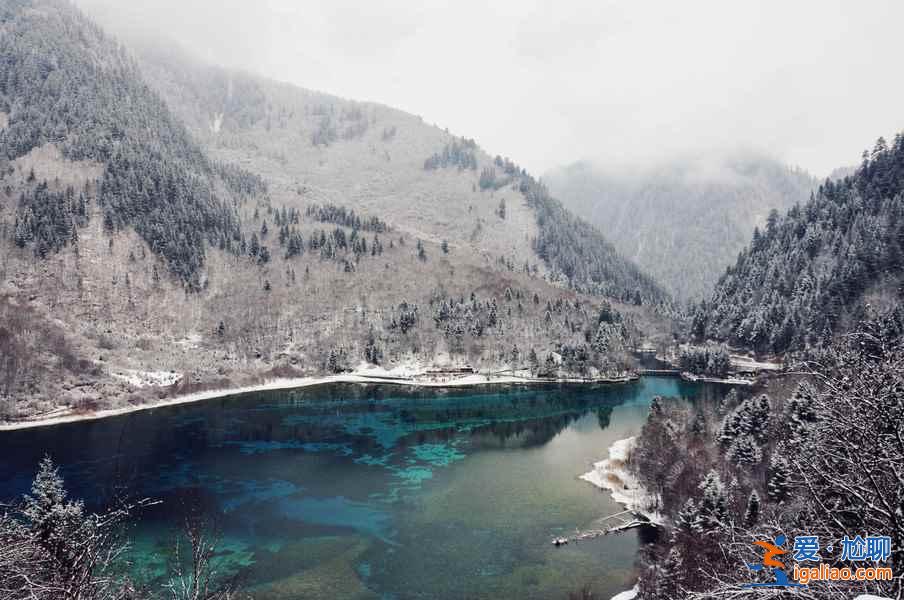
(549,83)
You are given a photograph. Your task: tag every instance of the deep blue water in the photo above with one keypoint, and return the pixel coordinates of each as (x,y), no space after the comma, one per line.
(348,491)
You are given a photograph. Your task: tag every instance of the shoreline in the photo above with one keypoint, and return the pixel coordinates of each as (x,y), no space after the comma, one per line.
(304,382)
(611,474)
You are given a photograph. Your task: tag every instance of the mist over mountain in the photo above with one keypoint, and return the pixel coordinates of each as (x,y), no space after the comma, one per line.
(402,347)
(164,219)
(685,219)
(327,142)
(820,269)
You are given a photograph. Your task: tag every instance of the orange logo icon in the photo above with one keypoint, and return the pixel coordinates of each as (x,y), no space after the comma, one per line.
(771,551)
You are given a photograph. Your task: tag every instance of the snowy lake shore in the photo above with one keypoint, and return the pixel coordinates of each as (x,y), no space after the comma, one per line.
(612,474)
(406,374)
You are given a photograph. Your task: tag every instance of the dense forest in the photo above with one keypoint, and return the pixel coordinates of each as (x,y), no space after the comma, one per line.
(809,274)
(682,220)
(707,360)
(62,81)
(823,460)
(47,220)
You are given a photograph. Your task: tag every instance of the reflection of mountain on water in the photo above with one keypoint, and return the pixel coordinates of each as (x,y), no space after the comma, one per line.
(315,483)
(353,420)
(368,421)
(528,433)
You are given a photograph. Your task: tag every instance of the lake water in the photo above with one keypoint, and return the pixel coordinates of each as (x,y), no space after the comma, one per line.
(383,492)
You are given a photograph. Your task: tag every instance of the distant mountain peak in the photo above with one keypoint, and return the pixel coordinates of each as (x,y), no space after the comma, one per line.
(683,220)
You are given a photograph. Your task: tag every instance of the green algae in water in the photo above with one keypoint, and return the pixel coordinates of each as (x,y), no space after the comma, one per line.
(438,455)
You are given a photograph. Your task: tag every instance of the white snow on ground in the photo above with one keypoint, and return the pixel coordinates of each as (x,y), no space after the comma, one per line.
(141,379)
(629,595)
(729,380)
(746,363)
(411,373)
(612,474)
(414,373)
(367,376)
(408,368)
(190,341)
(863,597)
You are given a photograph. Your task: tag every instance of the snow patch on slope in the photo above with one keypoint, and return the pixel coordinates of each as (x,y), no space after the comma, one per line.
(142,379)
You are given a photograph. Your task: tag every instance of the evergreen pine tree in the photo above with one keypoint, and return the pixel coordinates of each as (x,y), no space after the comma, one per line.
(745,452)
(799,413)
(21,233)
(421,252)
(333,362)
(727,402)
(752,513)
(778,482)
(712,512)
(550,368)
(372,352)
(687,516)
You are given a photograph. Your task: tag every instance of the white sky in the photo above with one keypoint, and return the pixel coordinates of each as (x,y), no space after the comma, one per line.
(547,83)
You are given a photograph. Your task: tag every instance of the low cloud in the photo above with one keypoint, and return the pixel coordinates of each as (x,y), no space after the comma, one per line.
(812,82)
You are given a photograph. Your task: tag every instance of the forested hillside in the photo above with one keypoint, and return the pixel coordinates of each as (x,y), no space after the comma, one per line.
(63,82)
(169,226)
(685,220)
(803,461)
(809,274)
(318,146)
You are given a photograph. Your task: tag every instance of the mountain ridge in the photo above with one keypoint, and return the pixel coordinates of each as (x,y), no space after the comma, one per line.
(219,246)
(278,106)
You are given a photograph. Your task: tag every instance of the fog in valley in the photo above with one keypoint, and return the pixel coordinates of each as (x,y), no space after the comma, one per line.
(349,300)
(555,83)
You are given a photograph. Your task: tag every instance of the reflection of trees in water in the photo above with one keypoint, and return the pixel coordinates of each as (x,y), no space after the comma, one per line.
(363,418)
(127,451)
(507,418)
(604,415)
(527,433)
(519,434)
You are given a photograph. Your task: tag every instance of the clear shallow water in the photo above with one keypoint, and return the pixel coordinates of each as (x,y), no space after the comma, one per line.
(381,492)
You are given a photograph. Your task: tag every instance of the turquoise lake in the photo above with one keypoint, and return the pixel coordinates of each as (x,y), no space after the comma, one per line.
(382,492)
